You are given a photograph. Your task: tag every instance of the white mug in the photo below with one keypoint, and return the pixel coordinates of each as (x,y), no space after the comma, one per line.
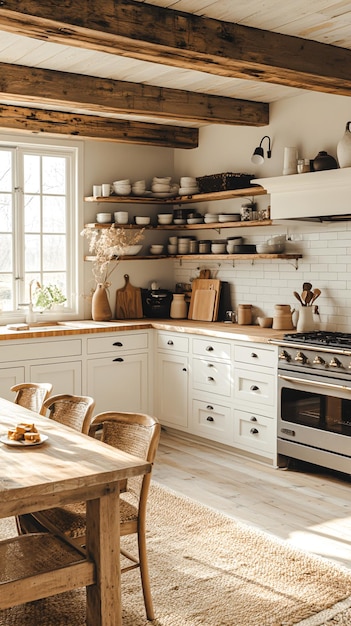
(106,189)
(97,191)
(121,217)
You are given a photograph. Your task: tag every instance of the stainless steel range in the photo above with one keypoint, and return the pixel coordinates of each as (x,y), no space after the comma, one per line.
(314,415)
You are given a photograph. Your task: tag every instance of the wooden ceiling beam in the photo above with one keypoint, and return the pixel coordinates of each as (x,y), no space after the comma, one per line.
(96,127)
(160,35)
(95,95)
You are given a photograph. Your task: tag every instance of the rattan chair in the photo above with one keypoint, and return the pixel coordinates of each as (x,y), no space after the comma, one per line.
(70,410)
(32,395)
(137,434)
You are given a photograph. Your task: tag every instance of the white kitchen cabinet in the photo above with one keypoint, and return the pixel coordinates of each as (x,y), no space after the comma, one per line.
(211,389)
(10,376)
(117,372)
(172,379)
(54,360)
(255,398)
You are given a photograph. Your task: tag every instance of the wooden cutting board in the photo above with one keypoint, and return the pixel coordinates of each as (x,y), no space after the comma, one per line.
(128,301)
(204,302)
(201,284)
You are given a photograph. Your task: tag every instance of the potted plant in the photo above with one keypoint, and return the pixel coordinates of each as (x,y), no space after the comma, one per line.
(48,297)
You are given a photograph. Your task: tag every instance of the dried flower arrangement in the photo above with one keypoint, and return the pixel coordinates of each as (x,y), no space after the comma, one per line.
(104,243)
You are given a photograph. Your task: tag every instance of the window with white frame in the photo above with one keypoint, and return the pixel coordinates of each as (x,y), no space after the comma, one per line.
(38,223)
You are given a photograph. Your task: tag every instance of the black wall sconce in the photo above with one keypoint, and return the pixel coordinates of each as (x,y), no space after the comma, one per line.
(258,155)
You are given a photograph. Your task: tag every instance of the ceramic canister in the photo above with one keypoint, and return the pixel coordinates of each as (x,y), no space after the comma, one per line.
(179,308)
(344,148)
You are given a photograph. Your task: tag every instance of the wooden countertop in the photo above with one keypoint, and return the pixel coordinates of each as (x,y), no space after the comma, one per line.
(222,330)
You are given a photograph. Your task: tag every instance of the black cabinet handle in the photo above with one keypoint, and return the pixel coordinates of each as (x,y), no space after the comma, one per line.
(184,369)
(210,379)
(254,431)
(253,418)
(254,388)
(209,418)
(254,355)
(170,342)
(209,349)
(209,407)
(118,359)
(118,344)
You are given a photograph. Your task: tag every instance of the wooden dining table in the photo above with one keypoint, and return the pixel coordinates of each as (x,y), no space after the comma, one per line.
(67,467)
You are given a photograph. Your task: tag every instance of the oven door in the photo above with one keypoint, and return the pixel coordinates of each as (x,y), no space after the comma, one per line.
(315,411)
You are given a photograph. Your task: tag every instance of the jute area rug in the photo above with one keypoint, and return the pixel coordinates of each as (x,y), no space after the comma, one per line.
(207,569)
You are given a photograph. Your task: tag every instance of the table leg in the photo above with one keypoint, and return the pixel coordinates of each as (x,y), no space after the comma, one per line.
(103,546)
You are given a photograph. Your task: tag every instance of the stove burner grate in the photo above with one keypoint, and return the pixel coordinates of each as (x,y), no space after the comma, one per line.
(321,338)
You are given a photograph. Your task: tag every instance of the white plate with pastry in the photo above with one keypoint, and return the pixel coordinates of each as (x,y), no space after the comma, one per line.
(22,443)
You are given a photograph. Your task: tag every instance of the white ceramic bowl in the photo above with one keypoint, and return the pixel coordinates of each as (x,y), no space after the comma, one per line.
(104,218)
(265,322)
(125,181)
(156,248)
(218,248)
(210,219)
(188,181)
(229,217)
(142,220)
(165,218)
(121,217)
(194,220)
(172,249)
(165,180)
(127,251)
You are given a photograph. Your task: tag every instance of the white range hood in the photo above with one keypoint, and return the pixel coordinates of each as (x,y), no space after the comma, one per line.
(325,195)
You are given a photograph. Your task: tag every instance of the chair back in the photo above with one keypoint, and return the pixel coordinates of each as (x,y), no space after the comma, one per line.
(70,410)
(32,395)
(135,433)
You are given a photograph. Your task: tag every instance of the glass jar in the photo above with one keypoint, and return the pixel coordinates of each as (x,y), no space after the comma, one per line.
(204,246)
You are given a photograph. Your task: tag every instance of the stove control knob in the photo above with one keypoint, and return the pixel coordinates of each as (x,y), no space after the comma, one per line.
(335,362)
(301,358)
(318,361)
(284,356)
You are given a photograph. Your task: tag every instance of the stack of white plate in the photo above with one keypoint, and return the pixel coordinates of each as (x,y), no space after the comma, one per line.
(138,188)
(188,186)
(122,187)
(210,218)
(161,187)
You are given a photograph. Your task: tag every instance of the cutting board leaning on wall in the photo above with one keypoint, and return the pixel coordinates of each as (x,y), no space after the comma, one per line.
(204,301)
(128,301)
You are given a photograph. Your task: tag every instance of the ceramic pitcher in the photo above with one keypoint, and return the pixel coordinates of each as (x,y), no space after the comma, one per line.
(305,320)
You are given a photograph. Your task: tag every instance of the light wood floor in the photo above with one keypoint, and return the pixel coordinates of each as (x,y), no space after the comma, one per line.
(307,506)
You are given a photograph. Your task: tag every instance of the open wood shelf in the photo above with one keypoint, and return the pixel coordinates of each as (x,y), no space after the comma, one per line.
(255,190)
(213,226)
(209,257)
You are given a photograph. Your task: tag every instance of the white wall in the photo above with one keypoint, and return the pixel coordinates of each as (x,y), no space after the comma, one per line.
(311,122)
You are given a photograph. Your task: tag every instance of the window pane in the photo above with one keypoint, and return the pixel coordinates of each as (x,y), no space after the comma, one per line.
(32,253)
(54,175)
(31,182)
(6,293)
(5,213)
(32,214)
(54,214)
(5,171)
(54,252)
(5,253)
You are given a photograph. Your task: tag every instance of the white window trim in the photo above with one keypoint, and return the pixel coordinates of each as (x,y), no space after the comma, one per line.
(76,241)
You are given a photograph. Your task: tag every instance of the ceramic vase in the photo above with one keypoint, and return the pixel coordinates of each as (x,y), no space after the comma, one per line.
(343,150)
(179,308)
(324,161)
(100,307)
(305,321)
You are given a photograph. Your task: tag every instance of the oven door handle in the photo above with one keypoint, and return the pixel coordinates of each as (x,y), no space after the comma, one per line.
(313,383)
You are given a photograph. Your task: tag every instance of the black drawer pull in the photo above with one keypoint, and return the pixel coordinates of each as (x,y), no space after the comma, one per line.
(118,344)
(118,359)
(254,388)
(253,418)
(209,407)
(210,379)
(170,342)
(254,431)
(254,355)
(209,418)
(210,365)
(184,369)
(209,349)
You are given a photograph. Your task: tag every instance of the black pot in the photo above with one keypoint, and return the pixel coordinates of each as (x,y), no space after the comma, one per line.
(324,161)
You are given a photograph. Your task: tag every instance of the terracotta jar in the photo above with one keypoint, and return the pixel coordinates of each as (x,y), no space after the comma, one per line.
(245,314)
(100,307)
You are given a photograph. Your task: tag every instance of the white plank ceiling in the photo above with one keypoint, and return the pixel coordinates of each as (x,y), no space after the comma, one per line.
(320,20)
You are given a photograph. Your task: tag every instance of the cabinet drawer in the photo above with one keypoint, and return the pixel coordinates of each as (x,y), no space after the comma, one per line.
(46,349)
(254,387)
(254,355)
(175,343)
(212,421)
(212,376)
(254,432)
(212,348)
(120,342)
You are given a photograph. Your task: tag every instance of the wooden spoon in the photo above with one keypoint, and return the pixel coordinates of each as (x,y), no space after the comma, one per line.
(316,294)
(309,297)
(304,296)
(298,297)
(307,286)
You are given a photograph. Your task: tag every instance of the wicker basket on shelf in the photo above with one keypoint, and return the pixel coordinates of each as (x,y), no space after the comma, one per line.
(223,182)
